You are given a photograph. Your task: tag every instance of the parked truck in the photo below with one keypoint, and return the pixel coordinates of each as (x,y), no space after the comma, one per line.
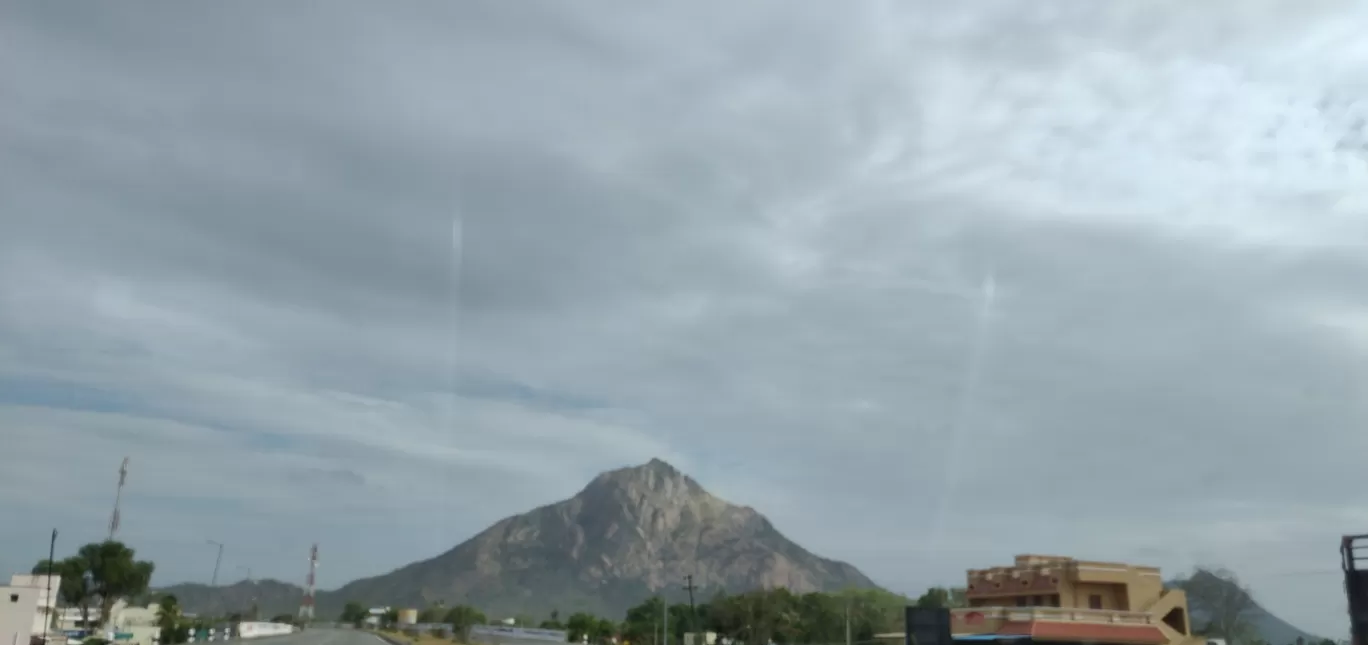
(1354,561)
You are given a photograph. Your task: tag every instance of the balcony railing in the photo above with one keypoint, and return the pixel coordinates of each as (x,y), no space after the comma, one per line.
(961,617)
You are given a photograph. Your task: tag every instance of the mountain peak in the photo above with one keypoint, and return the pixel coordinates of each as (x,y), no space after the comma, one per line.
(630,533)
(657,463)
(656,478)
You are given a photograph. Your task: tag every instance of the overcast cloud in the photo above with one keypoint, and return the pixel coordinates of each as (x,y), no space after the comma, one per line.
(930,284)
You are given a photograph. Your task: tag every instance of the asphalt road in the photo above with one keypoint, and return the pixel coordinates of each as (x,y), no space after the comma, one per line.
(320,636)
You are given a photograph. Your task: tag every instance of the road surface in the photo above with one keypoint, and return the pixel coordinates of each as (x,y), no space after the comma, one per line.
(323,636)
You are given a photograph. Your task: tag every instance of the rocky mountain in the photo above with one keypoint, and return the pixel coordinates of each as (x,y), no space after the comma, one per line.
(630,533)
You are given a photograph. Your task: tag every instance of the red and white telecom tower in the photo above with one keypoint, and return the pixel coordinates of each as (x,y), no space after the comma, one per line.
(306,607)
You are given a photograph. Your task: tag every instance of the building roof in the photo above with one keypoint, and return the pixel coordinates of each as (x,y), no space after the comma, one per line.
(1090,632)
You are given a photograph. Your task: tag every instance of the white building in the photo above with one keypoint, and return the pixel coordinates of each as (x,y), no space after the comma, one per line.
(141,622)
(47,591)
(17,608)
(69,619)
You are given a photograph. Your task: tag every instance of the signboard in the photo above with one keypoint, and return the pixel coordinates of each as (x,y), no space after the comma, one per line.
(123,636)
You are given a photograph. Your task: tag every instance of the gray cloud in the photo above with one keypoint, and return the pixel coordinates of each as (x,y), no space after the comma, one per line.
(753,241)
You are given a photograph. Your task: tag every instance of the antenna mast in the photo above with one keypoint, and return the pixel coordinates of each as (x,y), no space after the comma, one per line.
(306,607)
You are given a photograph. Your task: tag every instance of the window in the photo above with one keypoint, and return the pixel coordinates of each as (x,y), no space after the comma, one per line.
(1094,602)
(1021,601)
(14,597)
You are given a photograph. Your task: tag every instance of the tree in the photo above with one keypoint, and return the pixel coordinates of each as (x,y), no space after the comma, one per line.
(934,598)
(462,618)
(1224,600)
(170,621)
(580,626)
(681,620)
(605,630)
(353,613)
(553,622)
(74,588)
(643,620)
(431,614)
(115,573)
(583,626)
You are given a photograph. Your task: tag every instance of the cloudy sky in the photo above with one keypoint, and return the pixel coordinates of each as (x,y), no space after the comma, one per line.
(929,285)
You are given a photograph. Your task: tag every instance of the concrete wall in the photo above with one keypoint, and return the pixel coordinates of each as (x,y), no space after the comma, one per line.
(249,630)
(18,605)
(1112,596)
(504,635)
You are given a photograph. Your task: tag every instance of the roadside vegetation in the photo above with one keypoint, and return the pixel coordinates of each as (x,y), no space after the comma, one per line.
(774,615)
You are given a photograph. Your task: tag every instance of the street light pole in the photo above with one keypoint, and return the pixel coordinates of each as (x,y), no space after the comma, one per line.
(50,605)
(847,612)
(217,561)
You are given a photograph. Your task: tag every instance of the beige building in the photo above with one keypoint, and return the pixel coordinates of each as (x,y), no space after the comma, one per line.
(1058,599)
(46,597)
(139,622)
(18,605)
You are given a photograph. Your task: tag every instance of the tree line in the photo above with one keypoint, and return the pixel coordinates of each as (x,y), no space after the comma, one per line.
(770,615)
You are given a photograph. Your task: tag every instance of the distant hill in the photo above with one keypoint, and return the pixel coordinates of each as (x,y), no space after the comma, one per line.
(628,534)
(271,598)
(1270,628)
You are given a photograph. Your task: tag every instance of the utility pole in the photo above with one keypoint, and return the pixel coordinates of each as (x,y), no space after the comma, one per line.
(217,561)
(51,604)
(693,611)
(847,612)
(118,497)
(665,621)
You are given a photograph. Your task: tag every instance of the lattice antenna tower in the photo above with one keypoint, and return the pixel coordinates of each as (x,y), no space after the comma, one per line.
(306,607)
